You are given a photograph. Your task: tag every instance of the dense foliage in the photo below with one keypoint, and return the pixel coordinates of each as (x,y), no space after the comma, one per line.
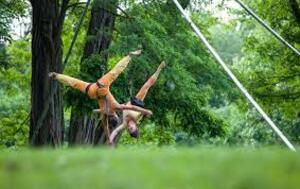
(14,77)
(15,91)
(9,10)
(190,79)
(269,69)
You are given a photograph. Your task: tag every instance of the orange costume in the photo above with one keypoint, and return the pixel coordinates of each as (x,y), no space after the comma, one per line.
(100,89)
(134,116)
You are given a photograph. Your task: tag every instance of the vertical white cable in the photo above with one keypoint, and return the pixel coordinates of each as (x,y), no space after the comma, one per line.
(232,76)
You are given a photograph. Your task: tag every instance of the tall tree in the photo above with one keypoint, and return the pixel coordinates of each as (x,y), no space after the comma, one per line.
(47,23)
(84,127)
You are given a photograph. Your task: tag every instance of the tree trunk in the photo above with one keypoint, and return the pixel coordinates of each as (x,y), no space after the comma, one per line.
(47,20)
(85,128)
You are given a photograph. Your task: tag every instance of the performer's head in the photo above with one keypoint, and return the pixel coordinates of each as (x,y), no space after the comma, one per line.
(113,121)
(131,122)
(133,129)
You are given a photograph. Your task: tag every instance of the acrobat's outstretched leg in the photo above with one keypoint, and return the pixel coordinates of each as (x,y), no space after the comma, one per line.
(113,74)
(70,81)
(144,90)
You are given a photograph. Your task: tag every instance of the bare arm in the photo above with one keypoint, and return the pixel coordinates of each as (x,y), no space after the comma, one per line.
(134,108)
(116,132)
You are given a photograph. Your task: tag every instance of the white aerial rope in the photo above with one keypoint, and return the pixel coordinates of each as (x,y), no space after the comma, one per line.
(232,76)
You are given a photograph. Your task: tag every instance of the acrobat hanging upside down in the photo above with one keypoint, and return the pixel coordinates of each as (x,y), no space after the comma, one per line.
(100,89)
(131,118)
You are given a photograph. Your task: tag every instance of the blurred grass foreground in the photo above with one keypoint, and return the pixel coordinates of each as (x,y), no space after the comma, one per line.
(150,168)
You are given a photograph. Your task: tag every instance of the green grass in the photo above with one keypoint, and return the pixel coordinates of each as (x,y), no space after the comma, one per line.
(203,167)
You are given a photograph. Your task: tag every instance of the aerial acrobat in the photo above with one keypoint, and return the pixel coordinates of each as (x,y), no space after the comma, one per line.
(130,117)
(99,90)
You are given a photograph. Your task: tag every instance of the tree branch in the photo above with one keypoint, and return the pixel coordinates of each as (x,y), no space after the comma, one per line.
(125,13)
(287,96)
(115,14)
(75,5)
(62,14)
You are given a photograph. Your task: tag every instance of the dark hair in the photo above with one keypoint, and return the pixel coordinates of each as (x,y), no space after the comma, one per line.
(135,134)
(113,121)
(137,102)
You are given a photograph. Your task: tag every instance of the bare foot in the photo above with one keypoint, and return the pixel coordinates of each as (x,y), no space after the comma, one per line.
(97,111)
(52,75)
(135,53)
(162,65)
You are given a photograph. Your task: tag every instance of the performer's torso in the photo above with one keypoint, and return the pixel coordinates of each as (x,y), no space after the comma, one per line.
(136,116)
